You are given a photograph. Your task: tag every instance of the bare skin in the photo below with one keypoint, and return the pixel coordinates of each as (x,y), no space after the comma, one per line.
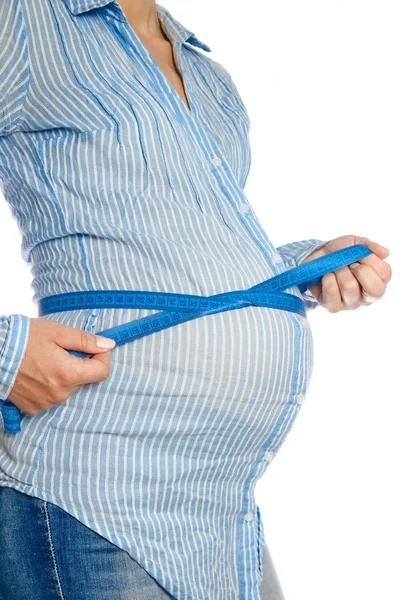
(48,374)
(348,288)
(359,284)
(142,17)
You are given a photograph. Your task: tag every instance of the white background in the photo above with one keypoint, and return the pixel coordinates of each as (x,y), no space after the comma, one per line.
(321,84)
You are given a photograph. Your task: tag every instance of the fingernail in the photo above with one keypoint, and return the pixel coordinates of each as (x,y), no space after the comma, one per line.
(104,342)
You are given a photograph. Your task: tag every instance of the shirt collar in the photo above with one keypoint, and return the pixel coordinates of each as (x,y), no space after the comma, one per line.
(174,29)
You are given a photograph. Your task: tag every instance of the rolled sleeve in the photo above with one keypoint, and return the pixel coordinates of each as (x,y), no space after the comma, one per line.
(14,334)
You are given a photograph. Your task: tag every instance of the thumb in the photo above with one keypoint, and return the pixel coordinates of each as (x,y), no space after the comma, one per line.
(378,249)
(71,338)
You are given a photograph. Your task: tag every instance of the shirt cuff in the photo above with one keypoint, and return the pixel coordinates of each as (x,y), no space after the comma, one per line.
(14,335)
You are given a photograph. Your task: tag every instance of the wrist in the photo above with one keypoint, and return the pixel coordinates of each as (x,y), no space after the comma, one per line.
(316,253)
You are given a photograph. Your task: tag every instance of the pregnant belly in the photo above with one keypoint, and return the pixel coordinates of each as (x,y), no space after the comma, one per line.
(241,367)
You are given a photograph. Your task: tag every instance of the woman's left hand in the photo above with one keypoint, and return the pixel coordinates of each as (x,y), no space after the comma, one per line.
(359,284)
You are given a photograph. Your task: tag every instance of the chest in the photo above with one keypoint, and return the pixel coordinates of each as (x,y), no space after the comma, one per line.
(98,84)
(163,57)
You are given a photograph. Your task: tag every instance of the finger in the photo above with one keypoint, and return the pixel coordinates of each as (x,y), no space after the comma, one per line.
(81,340)
(77,371)
(376,248)
(376,261)
(316,290)
(349,287)
(330,294)
(372,286)
(90,370)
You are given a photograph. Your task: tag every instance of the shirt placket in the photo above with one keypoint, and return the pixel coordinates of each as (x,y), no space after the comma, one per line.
(224,177)
(190,123)
(152,75)
(201,134)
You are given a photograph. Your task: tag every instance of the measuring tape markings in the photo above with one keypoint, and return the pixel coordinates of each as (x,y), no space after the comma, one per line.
(179,308)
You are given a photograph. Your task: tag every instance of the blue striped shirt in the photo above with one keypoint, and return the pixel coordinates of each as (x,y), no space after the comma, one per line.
(116,184)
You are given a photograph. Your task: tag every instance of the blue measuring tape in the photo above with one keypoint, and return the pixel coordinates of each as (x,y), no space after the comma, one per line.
(178,308)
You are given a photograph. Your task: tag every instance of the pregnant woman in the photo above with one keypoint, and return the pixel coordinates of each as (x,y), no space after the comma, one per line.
(124,153)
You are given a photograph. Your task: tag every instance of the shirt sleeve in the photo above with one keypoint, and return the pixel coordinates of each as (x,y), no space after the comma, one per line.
(14,80)
(14,65)
(14,335)
(294,254)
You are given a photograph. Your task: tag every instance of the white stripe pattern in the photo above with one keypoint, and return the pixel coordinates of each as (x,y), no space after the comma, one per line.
(116,184)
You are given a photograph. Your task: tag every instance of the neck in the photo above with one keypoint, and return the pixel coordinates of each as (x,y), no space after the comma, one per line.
(143,18)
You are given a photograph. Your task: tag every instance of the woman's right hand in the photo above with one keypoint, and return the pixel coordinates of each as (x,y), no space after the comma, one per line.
(48,374)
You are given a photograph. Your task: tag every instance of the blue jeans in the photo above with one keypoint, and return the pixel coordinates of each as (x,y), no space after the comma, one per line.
(47,554)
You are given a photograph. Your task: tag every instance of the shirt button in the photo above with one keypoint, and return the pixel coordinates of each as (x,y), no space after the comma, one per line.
(276,257)
(300,398)
(304,322)
(217,161)
(248,516)
(244,208)
(269,455)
